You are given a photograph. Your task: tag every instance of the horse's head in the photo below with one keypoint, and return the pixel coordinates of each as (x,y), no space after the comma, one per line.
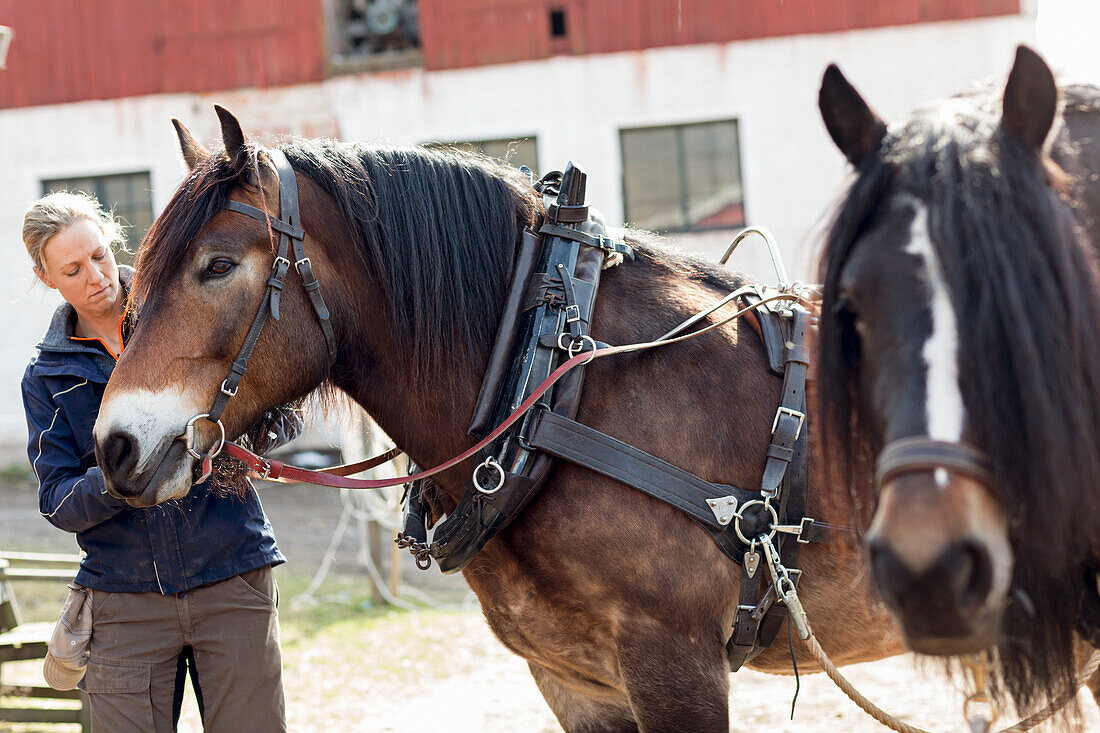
(202,275)
(958,327)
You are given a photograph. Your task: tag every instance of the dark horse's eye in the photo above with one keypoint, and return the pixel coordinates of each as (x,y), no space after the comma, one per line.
(219,267)
(844,307)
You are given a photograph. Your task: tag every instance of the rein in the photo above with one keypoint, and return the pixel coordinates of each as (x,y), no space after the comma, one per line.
(338,477)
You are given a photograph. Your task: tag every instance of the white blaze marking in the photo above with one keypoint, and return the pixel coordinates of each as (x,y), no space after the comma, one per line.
(943,398)
(148,416)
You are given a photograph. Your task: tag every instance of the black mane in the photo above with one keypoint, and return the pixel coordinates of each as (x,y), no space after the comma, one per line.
(437,229)
(1023,284)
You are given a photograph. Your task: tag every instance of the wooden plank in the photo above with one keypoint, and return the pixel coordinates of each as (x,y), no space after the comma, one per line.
(39,557)
(50,574)
(40,715)
(33,692)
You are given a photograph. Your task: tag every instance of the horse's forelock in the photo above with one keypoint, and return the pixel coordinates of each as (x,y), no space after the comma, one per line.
(201,195)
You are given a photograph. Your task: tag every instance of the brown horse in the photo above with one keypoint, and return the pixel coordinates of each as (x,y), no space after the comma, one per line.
(620,604)
(960,311)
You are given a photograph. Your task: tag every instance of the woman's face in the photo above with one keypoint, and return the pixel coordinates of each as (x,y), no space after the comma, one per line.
(80,265)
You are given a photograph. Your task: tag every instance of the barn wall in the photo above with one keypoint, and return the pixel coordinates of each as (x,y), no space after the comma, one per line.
(791,171)
(72,50)
(460,33)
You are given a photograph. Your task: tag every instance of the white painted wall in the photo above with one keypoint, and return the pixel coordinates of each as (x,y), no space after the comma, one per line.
(790,169)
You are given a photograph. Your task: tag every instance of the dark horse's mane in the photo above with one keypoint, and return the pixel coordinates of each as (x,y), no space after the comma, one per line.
(437,228)
(1022,281)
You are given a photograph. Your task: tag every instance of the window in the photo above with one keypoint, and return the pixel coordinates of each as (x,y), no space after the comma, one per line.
(557,23)
(128,195)
(517,151)
(374,34)
(682,177)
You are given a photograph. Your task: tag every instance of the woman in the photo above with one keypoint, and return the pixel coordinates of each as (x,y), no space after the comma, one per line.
(192,579)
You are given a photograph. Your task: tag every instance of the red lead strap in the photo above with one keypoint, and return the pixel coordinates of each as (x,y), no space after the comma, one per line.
(337,476)
(277,470)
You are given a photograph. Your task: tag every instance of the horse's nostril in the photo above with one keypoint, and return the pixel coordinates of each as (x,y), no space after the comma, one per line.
(119,454)
(972,576)
(891,575)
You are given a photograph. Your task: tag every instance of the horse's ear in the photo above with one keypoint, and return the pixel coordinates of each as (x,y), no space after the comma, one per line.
(852,124)
(1030,100)
(193,152)
(233,138)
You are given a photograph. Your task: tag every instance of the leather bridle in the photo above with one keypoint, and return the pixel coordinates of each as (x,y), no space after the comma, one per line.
(291,240)
(921,453)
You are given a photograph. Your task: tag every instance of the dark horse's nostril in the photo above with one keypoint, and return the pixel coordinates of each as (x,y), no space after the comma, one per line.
(958,581)
(890,574)
(118,453)
(972,573)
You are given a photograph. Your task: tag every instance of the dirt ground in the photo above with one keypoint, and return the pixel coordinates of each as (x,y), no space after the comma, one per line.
(351,665)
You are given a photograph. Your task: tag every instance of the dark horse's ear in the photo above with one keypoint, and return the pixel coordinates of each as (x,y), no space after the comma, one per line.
(853,125)
(233,138)
(1031,99)
(193,152)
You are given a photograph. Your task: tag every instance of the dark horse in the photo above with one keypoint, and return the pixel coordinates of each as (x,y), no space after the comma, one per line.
(960,306)
(620,604)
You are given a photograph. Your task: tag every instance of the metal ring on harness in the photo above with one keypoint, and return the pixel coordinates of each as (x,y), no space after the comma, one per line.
(489,462)
(737,522)
(189,437)
(578,346)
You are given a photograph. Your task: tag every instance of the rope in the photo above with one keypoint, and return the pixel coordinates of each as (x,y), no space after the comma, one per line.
(893,723)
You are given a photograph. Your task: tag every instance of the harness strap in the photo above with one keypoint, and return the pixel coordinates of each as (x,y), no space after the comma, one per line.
(291,235)
(278,225)
(757,618)
(920,453)
(598,241)
(571,441)
(237,370)
(790,417)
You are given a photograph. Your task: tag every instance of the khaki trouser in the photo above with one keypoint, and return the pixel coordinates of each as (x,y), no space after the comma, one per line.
(232,628)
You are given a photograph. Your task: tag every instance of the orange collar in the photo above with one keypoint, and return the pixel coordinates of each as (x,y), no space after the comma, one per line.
(101,342)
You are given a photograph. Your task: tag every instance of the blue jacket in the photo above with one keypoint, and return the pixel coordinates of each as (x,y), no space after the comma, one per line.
(170,548)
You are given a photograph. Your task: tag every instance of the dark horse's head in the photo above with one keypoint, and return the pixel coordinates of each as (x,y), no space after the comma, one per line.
(960,308)
(379,223)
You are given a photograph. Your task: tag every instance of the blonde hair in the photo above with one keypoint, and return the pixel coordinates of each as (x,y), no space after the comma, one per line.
(54,212)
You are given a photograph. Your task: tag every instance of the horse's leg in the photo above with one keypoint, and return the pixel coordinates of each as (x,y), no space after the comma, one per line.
(580,713)
(676,682)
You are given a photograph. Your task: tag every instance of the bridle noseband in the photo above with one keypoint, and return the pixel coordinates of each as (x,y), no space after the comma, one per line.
(291,239)
(921,453)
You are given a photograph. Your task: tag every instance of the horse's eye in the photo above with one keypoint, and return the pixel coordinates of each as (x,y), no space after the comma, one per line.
(219,268)
(844,307)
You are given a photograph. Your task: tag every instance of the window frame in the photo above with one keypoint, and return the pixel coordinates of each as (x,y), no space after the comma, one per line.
(99,185)
(479,146)
(678,127)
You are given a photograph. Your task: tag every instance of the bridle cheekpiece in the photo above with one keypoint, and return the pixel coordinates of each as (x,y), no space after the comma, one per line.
(291,243)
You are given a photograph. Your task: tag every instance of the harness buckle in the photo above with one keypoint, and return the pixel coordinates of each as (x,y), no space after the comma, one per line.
(572,313)
(278,259)
(224,389)
(796,529)
(781,411)
(298,264)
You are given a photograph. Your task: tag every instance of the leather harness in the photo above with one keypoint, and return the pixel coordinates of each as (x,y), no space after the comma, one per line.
(531,391)
(547,311)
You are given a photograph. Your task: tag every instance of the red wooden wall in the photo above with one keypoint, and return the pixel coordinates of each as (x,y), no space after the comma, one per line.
(69,50)
(459,33)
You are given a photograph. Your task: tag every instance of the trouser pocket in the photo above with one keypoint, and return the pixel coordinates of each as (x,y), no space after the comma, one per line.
(118,695)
